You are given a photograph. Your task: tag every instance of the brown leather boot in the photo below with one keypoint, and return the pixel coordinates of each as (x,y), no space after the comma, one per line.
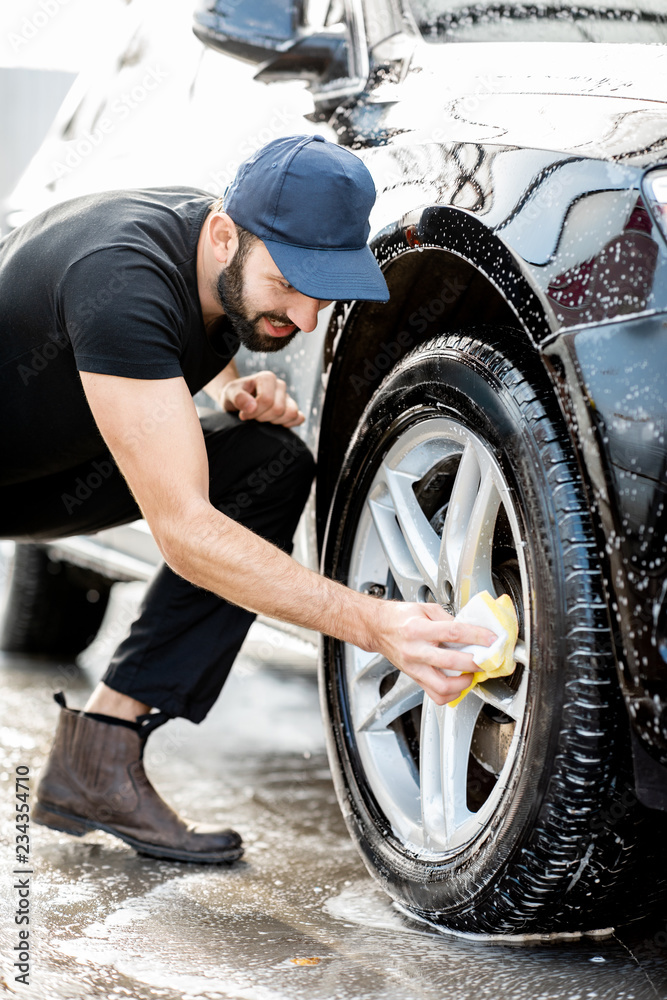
(94,779)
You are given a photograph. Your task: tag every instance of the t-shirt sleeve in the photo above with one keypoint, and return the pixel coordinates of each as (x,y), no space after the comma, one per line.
(121,314)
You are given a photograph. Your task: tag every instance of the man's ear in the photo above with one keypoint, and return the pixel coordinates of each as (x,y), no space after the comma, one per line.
(222,237)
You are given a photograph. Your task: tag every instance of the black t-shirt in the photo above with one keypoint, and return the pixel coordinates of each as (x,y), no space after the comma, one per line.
(105,283)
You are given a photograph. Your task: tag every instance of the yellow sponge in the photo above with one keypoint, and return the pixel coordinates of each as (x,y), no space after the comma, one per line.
(498,616)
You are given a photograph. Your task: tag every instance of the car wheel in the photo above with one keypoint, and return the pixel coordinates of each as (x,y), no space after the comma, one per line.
(513,812)
(51,607)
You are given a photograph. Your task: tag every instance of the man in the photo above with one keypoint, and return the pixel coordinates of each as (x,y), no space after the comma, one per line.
(146,296)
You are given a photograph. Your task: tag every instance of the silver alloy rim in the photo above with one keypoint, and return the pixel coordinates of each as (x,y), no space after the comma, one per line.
(437,773)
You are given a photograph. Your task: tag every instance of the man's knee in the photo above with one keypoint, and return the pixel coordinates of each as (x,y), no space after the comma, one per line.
(266,464)
(286,463)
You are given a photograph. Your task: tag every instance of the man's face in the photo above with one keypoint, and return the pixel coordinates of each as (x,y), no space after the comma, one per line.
(264,309)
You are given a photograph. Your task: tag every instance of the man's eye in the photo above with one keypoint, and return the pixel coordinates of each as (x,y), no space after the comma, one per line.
(285,284)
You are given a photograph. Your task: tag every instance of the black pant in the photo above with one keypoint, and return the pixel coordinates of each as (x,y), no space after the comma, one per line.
(183,644)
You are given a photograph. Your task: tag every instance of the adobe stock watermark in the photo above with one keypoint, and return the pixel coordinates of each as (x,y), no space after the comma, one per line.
(84,313)
(84,488)
(486,87)
(41,356)
(34,23)
(23,870)
(120,109)
(87,483)
(263,477)
(162,411)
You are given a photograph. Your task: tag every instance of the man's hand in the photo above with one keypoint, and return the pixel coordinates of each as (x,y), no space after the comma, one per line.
(262,397)
(411,637)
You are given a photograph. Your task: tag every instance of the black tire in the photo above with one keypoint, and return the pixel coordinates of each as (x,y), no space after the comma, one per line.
(52,608)
(567,843)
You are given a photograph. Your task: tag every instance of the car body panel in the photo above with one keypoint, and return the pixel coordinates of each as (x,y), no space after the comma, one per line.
(560,228)
(615,380)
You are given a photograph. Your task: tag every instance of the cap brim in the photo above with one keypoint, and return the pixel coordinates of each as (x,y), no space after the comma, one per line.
(330,274)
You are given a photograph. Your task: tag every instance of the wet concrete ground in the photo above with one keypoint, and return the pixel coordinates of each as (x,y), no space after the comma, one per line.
(298,918)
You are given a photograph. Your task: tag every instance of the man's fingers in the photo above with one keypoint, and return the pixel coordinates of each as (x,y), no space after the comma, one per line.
(284,411)
(449,659)
(263,397)
(293,415)
(436,612)
(427,655)
(451,631)
(438,686)
(281,397)
(244,402)
(271,399)
(272,409)
(264,392)
(239,396)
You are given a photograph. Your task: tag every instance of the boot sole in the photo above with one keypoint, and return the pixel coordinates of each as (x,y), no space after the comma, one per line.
(77,826)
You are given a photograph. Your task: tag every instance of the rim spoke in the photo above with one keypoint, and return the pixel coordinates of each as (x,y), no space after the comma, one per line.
(457,730)
(374,670)
(474,568)
(419,536)
(403,696)
(464,491)
(500,695)
(430,776)
(401,564)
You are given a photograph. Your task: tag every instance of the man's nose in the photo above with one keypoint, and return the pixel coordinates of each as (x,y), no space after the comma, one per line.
(303,312)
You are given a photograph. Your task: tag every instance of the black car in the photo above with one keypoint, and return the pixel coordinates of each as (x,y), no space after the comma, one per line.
(498,425)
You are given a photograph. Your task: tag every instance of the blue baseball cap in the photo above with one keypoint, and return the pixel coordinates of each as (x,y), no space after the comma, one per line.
(308,200)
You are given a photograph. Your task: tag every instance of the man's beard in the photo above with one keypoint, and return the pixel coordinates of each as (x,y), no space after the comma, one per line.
(247,327)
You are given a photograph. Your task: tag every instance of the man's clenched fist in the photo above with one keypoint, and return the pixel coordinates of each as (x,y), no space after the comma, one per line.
(262,397)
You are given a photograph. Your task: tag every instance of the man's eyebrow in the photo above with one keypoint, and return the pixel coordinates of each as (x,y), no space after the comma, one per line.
(279,277)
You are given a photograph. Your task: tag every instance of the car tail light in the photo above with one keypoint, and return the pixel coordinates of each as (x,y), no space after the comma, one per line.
(655,189)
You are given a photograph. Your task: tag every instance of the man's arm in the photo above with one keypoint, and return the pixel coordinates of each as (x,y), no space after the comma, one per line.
(152,429)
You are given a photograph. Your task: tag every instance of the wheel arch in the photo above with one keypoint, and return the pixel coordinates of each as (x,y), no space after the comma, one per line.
(445,270)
